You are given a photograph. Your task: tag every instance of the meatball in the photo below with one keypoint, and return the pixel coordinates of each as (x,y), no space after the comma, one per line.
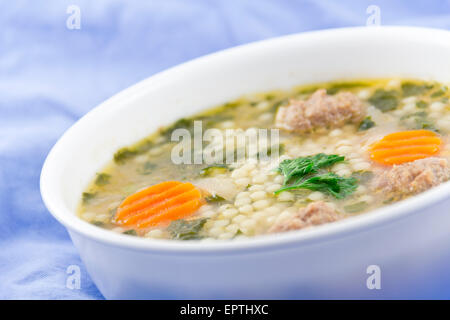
(412,177)
(315,213)
(320,110)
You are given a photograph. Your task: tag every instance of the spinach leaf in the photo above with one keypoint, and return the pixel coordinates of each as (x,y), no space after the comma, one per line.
(384,100)
(300,167)
(366,124)
(328,183)
(102,179)
(413,89)
(186,229)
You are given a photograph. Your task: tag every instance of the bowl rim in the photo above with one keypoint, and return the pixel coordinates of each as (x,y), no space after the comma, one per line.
(319,234)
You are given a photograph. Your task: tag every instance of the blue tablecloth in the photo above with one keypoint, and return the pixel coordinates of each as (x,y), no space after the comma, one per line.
(51,75)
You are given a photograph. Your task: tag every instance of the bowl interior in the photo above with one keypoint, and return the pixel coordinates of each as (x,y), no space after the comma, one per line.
(368,52)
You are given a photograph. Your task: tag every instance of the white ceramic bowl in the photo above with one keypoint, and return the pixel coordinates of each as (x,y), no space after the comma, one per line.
(409,241)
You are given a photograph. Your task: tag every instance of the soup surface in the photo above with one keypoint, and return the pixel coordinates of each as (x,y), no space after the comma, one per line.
(277,162)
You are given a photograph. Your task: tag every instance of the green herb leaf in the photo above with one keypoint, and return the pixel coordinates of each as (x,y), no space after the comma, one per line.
(183,123)
(123,155)
(214,198)
(102,179)
(147,168)
(328,183)
(276,105)
(413,89)
(214,169)
(130,232)
(309,89)
(87,197)
(300,167)
(421,104)
(356,207)
(384,100)
(186,229)
(420,121)
(238,233)
(366,124)
(338,86)
(439,92)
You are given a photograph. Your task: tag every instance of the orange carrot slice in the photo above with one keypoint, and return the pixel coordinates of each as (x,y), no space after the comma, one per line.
(159,204)
(405,146)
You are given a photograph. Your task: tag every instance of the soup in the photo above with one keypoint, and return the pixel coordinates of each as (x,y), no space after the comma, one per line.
(278,162)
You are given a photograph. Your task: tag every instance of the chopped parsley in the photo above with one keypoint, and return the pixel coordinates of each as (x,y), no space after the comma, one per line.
(213,170)
(87,197)
(214,198)
(366,124)
(123,155)
(130,232)
(102,179)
